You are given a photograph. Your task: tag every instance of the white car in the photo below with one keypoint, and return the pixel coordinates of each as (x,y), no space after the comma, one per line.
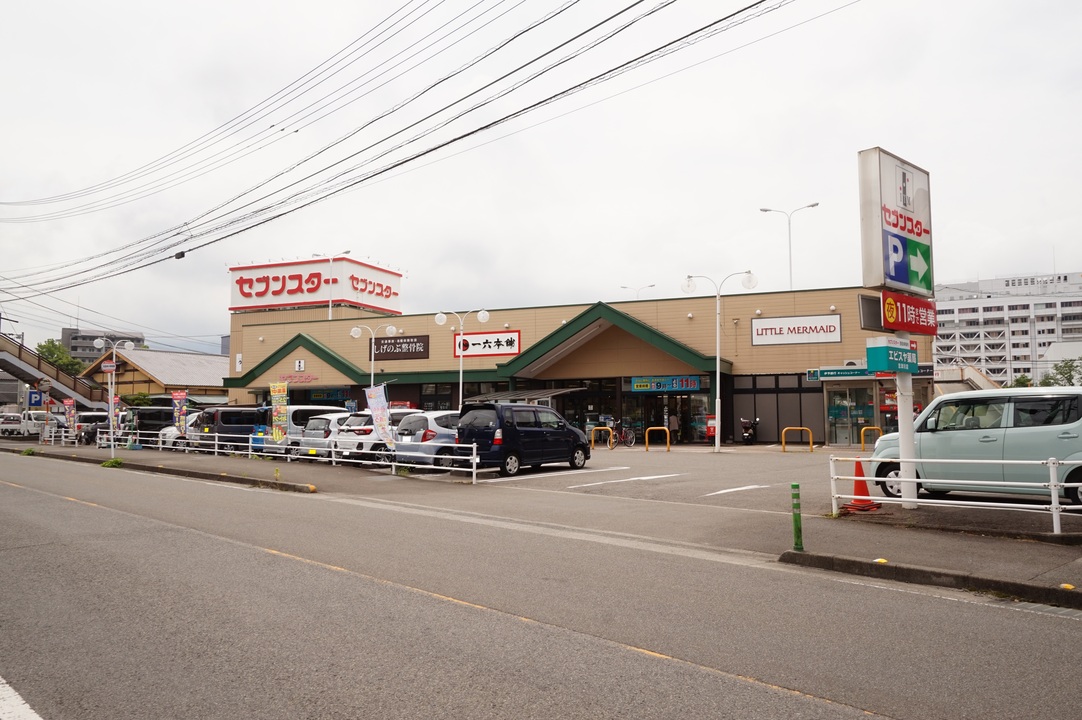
(172,438)
(11,424)
(320,434)
(358,440)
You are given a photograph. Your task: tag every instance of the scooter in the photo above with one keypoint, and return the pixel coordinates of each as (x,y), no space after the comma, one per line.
(749,428)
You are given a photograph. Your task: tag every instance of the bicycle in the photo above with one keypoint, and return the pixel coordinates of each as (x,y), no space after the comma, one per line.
(621,435)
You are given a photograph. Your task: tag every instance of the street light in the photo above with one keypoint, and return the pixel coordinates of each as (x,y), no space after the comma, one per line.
(688,286)
(441,319)
(356,333)
(789,222)
(100,344)
(637,290)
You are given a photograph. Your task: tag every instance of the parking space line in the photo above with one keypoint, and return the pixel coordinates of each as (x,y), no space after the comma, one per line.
(736,489)
(544,476)
(606,482)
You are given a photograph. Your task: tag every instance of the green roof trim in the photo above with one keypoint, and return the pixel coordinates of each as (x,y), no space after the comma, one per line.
(359,376)
(627,323)
(300,340)
(504,372)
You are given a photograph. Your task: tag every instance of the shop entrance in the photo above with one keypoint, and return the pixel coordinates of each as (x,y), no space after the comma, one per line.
(849,410)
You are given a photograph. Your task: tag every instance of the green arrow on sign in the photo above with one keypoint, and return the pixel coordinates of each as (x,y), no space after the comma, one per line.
(920,265)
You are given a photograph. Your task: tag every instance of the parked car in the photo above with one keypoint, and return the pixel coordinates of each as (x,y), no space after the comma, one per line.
(173,438)
(147,420)
(297,417)
(427,438)
(11,424)
(88,423)
(35,420)
(227,428)
(511,435)
(1004,424)
(320,433)
(358,439)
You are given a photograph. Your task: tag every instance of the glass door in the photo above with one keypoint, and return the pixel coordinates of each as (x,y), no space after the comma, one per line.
(849,410)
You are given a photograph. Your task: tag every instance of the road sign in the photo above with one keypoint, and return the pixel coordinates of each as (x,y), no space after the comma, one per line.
(108,366)
(33,398)
(887,354)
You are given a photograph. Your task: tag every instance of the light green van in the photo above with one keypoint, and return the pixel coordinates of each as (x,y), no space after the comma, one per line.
(1005,424)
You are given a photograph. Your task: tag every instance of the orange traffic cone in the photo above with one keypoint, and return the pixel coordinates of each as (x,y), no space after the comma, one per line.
(860,490)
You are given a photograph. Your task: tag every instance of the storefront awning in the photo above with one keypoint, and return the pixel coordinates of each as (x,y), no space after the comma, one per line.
(527,396)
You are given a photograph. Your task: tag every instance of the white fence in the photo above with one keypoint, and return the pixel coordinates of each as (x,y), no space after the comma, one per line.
(1053,486)
(257,446)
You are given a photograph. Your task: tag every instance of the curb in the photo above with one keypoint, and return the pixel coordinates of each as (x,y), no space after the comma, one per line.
(918,575)
(179,472)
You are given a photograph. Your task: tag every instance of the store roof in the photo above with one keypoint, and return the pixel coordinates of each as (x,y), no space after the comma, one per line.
(174,369)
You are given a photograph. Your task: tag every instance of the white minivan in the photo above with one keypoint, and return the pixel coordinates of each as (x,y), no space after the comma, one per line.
(297,416)
(1002,425)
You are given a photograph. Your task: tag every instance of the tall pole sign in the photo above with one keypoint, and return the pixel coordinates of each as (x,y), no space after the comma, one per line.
(895,223)
(896,255)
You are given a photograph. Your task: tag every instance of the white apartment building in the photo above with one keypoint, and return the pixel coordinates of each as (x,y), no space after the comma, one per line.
(1005,326)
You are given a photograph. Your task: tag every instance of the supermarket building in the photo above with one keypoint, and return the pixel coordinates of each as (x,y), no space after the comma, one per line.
(791,359)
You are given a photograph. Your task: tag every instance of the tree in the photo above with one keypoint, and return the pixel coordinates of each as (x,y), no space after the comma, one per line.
(1065,373)
(1021,381)
(53,352)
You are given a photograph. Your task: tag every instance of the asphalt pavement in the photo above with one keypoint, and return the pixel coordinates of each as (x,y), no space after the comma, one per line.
(1011,554)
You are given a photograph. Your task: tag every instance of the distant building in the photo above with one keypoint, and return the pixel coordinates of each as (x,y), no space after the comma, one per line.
(1005,326)
(158,373)
(80,343)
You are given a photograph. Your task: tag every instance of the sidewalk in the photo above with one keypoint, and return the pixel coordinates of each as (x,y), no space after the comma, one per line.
(1010,553)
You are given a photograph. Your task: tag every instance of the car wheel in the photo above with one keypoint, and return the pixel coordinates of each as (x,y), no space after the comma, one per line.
(444,459)
(578,458)
(889,481)
(381,455)
(510,465)
(1074,494)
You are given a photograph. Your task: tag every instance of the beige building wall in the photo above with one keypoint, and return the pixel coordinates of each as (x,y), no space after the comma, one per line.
(688,320)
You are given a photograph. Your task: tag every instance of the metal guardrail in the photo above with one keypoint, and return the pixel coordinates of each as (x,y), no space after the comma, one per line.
(668,437)
(253,446)
(90,391)
(1054,507)
(593,434)
(811,446)
(866,429)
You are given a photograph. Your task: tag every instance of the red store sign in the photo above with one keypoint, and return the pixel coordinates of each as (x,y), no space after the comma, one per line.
(909,313)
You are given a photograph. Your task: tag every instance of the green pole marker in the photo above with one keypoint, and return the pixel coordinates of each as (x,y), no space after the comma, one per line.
(798,534)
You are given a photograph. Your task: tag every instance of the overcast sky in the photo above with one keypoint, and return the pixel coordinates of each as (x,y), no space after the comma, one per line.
(134,130)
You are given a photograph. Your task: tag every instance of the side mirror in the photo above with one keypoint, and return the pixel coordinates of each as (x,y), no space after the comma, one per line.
(929,424)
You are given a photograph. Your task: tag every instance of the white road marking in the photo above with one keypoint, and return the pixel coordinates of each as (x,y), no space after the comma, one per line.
(545,476)
(746,487)
(12,705)
(606,482)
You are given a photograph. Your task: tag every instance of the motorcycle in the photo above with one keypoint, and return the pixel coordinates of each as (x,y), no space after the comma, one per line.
(749,429)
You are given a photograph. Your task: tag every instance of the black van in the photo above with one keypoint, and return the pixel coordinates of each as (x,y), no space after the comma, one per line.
(150,419)
(225,428)
(511,435)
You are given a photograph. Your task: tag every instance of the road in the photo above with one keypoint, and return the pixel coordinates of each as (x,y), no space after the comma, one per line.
(553,595)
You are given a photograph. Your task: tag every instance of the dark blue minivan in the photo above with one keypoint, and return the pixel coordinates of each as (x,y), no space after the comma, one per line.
(512,435)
